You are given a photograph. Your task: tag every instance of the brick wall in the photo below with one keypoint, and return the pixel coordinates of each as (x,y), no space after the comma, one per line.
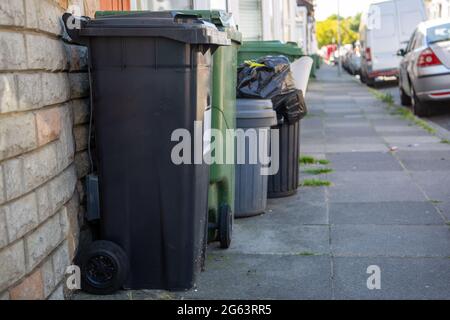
(44,109)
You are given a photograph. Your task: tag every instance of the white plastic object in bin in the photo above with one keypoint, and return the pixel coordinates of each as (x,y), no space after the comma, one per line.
(301,70)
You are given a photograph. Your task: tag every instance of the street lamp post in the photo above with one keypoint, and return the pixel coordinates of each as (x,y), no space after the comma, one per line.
(339,38)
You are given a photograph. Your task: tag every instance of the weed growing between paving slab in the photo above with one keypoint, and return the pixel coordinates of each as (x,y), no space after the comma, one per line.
(445,141)
(308,160)
(315,183)
(305,160)
(318,171)
(306,254)
(401,111)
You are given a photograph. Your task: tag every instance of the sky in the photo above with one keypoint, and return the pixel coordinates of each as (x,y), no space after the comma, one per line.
(326,8)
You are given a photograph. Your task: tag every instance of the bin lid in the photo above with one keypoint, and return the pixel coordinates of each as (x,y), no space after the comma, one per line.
(223,20)
(255,113)
(172,25)
(290,48)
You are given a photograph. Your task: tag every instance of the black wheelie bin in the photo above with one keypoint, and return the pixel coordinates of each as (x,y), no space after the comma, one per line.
(150,77)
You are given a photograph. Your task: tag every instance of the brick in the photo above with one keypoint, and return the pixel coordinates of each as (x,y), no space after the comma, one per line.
(79,85)
(13,170)
(61,261)
(8,93)
(43,203)
(31,288)
(66,143)
(12,264)
(45,53)
(61,188)
(58,294)
(48,278)
(12,13)
(31,13)
(48,125)
(72,225)
(12,51)
(2,187)
(81,190)
(18,134)
(42,241)
(81,111)
(21,216)
(48,17)
(81,137)
(39,166)
(56,88)
(29,87)
(82,164)
(3,231)
(4,296)
(77,57)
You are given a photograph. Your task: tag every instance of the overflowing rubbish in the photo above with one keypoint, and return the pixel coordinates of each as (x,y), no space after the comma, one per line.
(270,77)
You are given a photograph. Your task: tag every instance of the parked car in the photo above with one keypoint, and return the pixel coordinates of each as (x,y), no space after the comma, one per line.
(425,67)
(352,62)
(386,27)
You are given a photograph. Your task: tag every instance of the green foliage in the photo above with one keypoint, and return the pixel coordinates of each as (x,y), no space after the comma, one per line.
(327,30)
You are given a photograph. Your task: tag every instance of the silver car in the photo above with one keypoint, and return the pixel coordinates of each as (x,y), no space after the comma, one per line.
(425,67)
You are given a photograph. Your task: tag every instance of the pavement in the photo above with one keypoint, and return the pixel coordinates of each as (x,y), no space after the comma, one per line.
(387,209)
(440,111)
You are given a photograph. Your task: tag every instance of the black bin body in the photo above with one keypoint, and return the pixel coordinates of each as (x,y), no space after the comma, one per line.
(151,77)
(285,182)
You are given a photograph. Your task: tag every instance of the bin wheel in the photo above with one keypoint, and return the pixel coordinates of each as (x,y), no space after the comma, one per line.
(104,268)
(225,226)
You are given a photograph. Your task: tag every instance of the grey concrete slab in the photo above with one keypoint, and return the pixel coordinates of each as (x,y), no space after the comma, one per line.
(353,140)
(389,240)
(255,277)
(401,278)
(425,160)
(295,212)
(378,186)
(364,161)
(385,213)
(312,195)
(250,237)
(444,208)
(350,132)
(355,147)
(435,184)
(406,140)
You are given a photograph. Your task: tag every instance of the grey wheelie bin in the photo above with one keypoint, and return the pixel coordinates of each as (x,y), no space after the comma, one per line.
(251,184)
(150,77)
(285,182)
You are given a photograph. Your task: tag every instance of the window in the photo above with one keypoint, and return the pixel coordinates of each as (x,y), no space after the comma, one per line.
(439,33)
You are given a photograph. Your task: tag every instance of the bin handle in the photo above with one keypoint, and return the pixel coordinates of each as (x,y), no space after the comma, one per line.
(73,25)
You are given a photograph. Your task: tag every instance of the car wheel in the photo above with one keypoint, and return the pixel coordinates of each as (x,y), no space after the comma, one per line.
(404,98)
(418,107)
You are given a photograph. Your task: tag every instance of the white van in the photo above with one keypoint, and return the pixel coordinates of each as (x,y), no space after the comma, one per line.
(385,28)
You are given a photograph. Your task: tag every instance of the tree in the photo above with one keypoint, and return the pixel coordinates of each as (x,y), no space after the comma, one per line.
(327,30)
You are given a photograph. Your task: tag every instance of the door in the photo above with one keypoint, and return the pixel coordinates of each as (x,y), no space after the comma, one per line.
(115,5)
(250,19)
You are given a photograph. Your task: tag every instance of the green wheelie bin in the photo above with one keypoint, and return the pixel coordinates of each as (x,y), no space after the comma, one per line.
(221,194)
(253,50)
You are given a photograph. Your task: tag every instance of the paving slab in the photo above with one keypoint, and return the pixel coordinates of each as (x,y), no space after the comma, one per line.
(364,161)
(253,277)
(378,186)
(401,278)
(253,236)
(385,213)
(390,240)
